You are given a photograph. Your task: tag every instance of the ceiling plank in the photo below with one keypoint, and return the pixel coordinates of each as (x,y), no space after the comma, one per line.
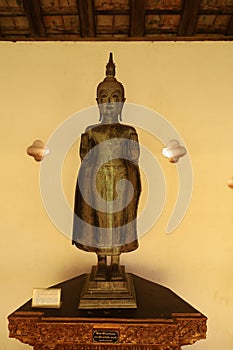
(230,27)
(0,29)
(189,17)
(137,18)
(35,18)
(87,19)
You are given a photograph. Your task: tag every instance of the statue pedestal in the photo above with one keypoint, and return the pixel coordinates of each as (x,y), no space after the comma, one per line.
(108,294)
(161,321)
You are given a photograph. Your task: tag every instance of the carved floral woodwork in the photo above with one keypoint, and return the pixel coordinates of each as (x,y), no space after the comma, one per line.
(77,334)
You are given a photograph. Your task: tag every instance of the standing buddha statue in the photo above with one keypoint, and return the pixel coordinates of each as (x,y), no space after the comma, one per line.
(108,185)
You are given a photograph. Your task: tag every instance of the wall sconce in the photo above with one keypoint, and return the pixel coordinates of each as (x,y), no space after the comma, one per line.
(230,183)
(174,151)
(37,150)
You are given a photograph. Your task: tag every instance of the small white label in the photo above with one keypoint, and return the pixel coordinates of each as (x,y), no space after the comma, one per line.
(50,298)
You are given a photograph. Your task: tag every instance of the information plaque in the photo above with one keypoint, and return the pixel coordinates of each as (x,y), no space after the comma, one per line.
(105,336)
(48,298)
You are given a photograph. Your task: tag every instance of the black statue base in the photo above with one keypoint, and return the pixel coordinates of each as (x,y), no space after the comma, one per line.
(109,294)
(161,321)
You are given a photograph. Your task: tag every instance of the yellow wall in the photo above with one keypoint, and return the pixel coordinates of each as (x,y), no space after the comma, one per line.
(190,84)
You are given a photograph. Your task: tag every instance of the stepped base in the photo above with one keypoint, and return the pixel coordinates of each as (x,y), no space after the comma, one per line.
(108,294)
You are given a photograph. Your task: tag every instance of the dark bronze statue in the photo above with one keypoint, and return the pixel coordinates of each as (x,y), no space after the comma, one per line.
(108,185)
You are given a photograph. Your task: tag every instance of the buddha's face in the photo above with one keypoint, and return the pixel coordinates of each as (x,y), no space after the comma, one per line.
(110,101)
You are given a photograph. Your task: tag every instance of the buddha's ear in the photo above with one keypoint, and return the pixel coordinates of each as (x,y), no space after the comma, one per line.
(100,117)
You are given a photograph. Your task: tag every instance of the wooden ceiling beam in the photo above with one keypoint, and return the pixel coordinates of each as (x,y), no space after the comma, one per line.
(87,18)
(137,18)
(0,29)
(35,19)
(189,18)
(230,27)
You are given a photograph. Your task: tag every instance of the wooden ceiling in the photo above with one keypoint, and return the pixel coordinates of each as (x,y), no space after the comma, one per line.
(116,20)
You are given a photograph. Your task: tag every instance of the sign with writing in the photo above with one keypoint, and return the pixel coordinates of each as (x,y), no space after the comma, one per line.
(105,335)
(50,298)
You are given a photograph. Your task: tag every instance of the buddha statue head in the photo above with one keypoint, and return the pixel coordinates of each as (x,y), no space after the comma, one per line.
(110,94)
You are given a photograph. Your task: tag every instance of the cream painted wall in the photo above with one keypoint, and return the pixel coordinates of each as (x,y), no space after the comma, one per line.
(190,84)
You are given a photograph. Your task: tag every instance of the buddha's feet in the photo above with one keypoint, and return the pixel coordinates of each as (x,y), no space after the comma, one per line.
(101,272)
(115,272)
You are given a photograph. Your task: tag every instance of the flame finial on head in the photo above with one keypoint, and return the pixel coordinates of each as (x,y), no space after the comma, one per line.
(110,67)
